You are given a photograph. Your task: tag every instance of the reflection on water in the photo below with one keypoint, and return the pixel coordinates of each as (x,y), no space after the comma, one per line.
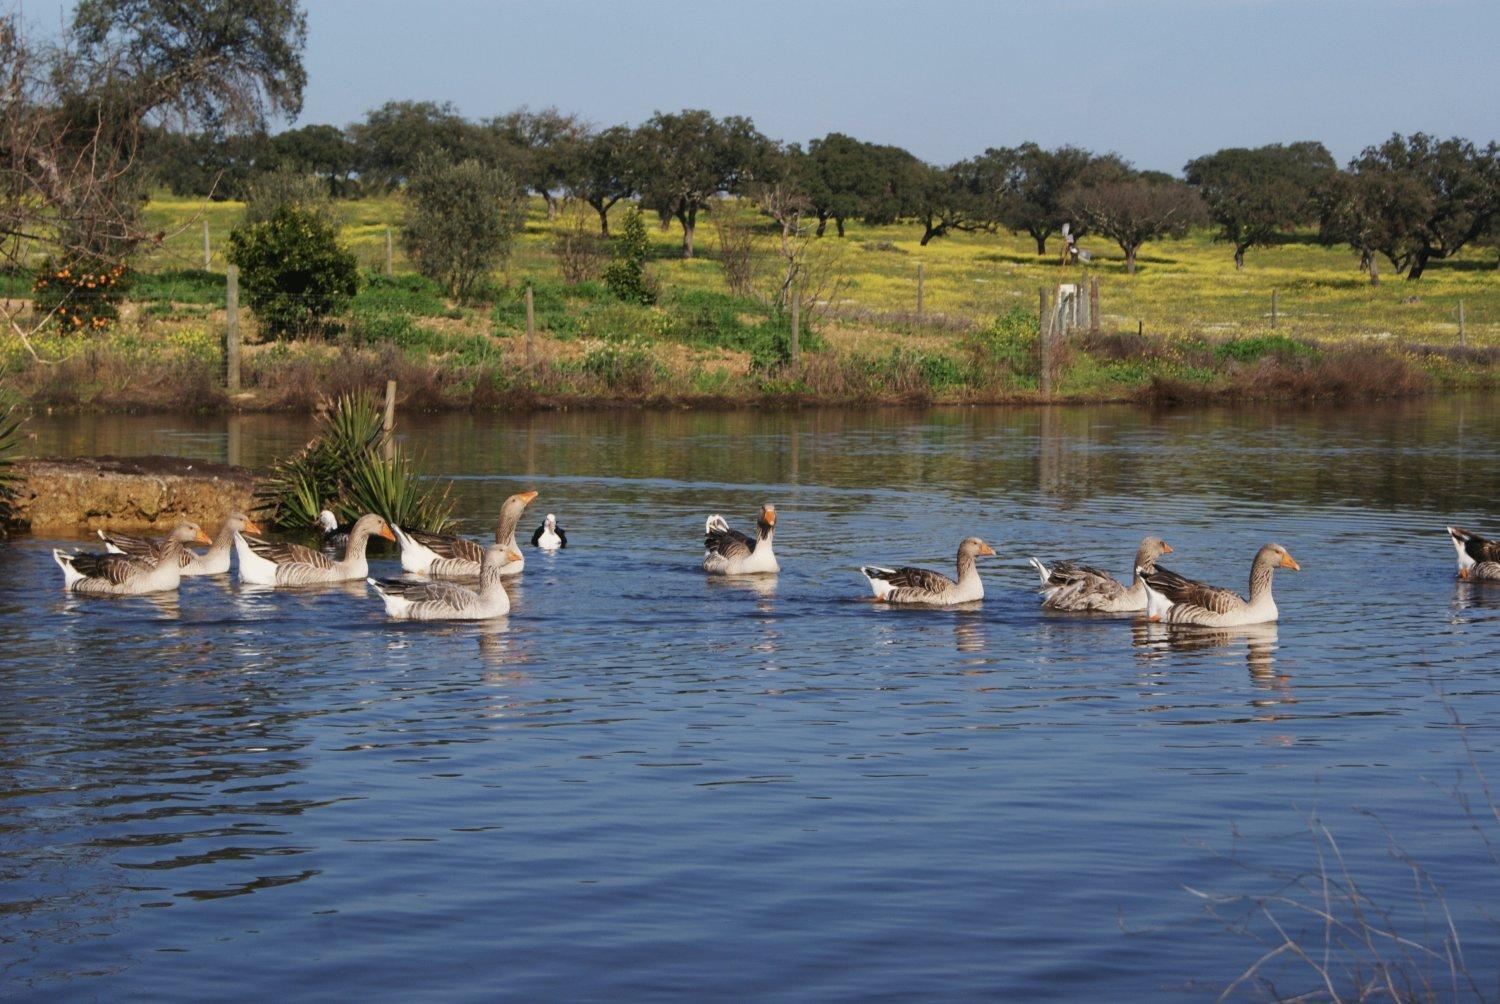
(644,778)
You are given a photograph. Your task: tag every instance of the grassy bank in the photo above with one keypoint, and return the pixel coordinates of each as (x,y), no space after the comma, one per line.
(1187,328)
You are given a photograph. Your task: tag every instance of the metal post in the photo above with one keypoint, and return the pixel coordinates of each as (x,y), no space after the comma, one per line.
(388,422)
(919,292)
(1273,308)
(1460,323)
(387,250)
(530,330)
(232,330)
(208,256)
(796,326)
(1044,340)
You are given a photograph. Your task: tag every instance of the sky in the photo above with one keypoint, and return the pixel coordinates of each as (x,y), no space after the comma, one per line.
(1158,81)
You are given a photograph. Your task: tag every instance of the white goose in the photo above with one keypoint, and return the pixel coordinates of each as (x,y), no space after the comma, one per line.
(214,561)
(449,601)
(920,586)
(549,536)
(265,563)
(122,575)
(1075,587)
(729,552)
(452,557)
(1172,599)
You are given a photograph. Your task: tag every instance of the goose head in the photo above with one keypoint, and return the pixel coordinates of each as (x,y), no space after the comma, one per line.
(1275,556)
(327,521)
(497,556)
(240,523)
(189,533)
(371,525)
(1151,549)
(767,520)
(550,521)
(973,547)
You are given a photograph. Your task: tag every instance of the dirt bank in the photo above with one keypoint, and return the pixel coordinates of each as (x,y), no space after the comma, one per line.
(127,493)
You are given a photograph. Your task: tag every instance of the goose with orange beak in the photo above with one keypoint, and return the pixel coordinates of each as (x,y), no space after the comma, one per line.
(448,556)
(1173,599)
(448,601)
(920,586)
(214,561)
(729,552)
(281,563)
(1076,588)
(123,575)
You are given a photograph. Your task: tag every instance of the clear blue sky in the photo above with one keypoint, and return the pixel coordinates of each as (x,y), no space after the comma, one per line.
(1159,81)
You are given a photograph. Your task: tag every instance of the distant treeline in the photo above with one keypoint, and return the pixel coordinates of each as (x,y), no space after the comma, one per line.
(1411,200)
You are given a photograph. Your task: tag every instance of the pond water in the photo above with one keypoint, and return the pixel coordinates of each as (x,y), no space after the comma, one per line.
(646,784)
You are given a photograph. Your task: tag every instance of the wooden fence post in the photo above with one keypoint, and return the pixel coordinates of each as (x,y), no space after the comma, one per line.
(388,422)
(1094,305)
(919,291)
(1273,307)
(796,327)
(530,329)
(208,256)
(232,329)
(387,250)
(1460,323)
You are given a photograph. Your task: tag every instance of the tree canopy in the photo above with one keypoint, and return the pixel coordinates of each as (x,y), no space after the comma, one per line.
(1256,196)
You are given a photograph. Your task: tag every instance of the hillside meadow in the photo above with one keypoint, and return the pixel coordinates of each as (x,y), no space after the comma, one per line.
(1186,327)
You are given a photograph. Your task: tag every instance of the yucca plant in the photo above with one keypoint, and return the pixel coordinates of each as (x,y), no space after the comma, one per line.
(345,468)
(10,448)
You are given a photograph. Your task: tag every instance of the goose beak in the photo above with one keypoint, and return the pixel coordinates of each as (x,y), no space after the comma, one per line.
(986,549)
(385,531)
(769,515)
(526,497)
(252,527)
(1287,561)
(512,556)
(203,538)
(1166,548)
(1463,573)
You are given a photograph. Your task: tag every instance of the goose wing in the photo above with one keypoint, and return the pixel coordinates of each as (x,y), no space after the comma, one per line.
(1075,573)
(447,546)
(1480,549)
(1181,590)
(135,547)
(727,543)
(283,552)
(912,578)
(447,593)
(116,568)
(537,535)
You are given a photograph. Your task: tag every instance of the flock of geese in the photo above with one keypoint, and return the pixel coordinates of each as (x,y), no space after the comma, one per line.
(134,566)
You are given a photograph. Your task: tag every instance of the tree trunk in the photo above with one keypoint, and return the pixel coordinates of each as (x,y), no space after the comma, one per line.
(1418,263)
(1041,243)
(1130,259)
(1371,265)
(1239,257)
(838,221)
(603,212)
(931,230)
(665,216)
(551,201)
(688,217)
(822,225)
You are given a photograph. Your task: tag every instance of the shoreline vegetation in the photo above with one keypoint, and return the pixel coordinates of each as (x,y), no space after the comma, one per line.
(1187,328)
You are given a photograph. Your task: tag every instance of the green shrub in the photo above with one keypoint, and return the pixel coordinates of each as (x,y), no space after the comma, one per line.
(551,303)
(624,366)
(461,221)
(81,294)
(1009,346)
(623,322)
(295,273)
(1248,350)
(626,276)
(414,295)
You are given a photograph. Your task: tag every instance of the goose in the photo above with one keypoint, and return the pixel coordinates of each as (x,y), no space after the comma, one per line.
(265,563)
(214,561)
(333,534)
(918,585)
(122,575)
(1478,558)
(452,557)
(729,552)
(1172,599)
(449,601)
(1076,587)
(549,536)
